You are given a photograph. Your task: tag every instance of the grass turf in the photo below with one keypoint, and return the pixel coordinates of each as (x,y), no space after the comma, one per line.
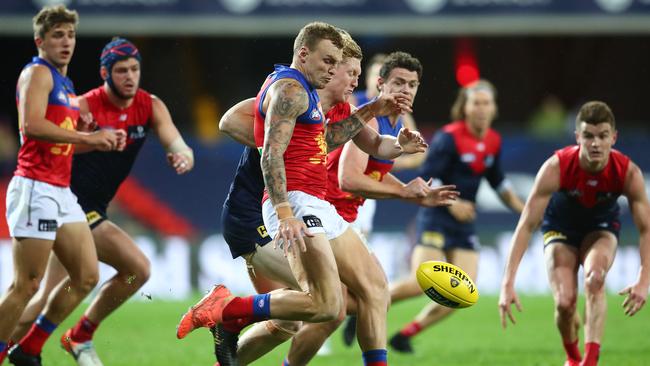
(143,333)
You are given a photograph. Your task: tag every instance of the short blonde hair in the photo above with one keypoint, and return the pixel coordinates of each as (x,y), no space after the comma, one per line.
(351,48)
(51,16)
(314,32)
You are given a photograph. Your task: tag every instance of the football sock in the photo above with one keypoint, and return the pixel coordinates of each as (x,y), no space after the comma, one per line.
(32,343)
(411,329)
(375,357)
(592,351)
(285,362)
(572,350)
(83,331)
(257,307)
(242,311)
(4,348)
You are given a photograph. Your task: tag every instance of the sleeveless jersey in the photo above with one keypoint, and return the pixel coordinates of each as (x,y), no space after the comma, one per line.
(97,175)
(304,158)
(44,161)
(458,157)
(347,204)
(583,197)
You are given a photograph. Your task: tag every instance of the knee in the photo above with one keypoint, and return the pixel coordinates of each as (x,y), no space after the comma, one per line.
(26,289)
(327,310)
(376,293)
(140,273)
(566,303)
(595,281)
(87,282)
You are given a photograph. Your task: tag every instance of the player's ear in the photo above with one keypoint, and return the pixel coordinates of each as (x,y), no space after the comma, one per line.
(103,73)
(38,41)
(614,137)
(303,52)
(380,83)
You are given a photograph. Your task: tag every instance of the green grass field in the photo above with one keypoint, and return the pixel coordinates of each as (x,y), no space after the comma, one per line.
(143,333)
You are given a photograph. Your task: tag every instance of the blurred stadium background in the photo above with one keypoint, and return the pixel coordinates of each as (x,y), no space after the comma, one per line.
(546,57)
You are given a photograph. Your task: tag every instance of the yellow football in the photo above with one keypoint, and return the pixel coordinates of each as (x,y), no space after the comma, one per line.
(447,284)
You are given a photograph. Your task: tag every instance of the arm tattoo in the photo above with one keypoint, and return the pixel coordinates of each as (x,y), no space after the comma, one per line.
(341,132)
(288,101)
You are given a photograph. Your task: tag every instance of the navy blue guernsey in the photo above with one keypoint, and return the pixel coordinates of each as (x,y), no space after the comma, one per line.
(243,226)
(457,157)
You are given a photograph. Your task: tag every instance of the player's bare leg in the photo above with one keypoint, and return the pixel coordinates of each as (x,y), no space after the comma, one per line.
(408,287)
(30,258)
(263,264)
(598,251)
(54,274)
(117,249)
(75,249)
(362,274)
(562,267)
(311,337)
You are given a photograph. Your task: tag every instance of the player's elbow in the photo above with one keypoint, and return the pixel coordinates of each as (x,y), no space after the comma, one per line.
(31,130)
(347,183)
(226,124)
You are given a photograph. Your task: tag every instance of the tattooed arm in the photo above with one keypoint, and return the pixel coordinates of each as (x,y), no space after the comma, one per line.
(341,132)
(287,99)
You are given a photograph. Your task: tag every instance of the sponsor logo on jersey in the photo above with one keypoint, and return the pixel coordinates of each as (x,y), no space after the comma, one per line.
(47,225)
(315,114)
(312,221)
(62,97)
(592,182)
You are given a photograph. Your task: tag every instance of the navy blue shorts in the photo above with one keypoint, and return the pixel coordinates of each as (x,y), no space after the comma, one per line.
(555,232)
(243,229)
(95,212)
(446,237)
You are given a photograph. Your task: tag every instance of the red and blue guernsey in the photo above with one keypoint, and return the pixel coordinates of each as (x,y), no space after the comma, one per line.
(458,157)
(587,201)
(47,161)
(305,156)
(347,204)
(98,174)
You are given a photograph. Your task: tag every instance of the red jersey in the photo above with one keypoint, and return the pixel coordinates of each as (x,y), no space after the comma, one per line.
(97,175)
(47,161)
(304,158)
(347,204)
(590,189)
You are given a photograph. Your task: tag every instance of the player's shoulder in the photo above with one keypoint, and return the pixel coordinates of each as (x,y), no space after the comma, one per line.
(36,73)
(453,127)
(93,93)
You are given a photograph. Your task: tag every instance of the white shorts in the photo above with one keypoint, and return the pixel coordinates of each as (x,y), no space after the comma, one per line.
(37,209)
(319,215)
(365,217)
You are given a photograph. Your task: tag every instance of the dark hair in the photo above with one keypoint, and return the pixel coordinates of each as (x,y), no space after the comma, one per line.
(595,112)
(458,108)
(400,60)
(51,16)
(314,32)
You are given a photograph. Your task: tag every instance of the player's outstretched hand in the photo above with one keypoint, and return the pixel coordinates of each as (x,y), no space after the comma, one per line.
(180,162)
(389,103)
(291,231)
(507,297)
(440,196)
(411,142)
(635,299)
(416,188)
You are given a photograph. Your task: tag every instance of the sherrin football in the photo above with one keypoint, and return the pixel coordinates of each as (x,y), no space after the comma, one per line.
(447,284)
